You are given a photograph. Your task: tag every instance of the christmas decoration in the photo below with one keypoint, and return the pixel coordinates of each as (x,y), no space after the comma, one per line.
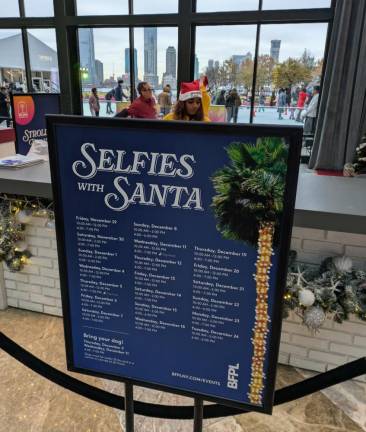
(15,212)
(334,290)
(314,317)
(306,297)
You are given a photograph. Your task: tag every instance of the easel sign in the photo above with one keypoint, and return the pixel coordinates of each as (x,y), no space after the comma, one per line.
(29,114)
(173,240)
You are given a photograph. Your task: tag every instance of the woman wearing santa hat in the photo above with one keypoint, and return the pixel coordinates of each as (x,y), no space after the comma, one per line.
(193,103)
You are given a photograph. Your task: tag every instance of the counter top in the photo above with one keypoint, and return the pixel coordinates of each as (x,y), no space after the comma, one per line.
(323,202)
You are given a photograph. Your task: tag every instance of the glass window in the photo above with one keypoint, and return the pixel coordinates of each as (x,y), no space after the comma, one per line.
(10,10)
(290,65)
(12,70)
(104,59)
(106,7)
(157,50)
(155,7)
(298,4)
(38,8)
(43,60)
(225,54)
(228,5)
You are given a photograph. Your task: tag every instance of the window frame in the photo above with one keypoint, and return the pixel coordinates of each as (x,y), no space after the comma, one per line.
(66,23)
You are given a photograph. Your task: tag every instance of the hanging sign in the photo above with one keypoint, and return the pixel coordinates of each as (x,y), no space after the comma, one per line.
(173,240)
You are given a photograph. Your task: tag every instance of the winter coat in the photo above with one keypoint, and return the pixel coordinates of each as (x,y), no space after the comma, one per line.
(220,100)
(165,100)
(233,100)
(301,100)
(94,103)
(142,108)
(281,101)
(118,93)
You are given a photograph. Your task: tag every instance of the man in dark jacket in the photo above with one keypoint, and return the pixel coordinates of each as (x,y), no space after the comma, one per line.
(118,92)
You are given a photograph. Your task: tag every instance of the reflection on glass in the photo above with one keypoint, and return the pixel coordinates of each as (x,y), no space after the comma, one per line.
(228,5)
(12,71)
(157,51)
(104,60)
(298,4)
(155,7)
(290,65)
(10,10)
(225,54)
(38,8)
(43,60)
(106,7)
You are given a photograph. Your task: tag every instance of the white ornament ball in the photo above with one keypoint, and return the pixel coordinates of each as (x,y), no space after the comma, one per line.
(24,216)
(343,264)
(21,245)
(314,317)
(306,297)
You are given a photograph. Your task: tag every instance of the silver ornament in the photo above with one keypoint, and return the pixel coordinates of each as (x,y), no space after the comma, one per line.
(343,264)
(306,297)
(314,317)
(24,216)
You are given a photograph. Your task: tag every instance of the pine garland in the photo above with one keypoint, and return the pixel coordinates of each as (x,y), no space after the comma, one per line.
(15,212)
(334,290)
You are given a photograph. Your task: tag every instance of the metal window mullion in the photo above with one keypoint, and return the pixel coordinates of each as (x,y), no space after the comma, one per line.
(131,30)
(255,67)
(68,62)
(185,41)
(27,64)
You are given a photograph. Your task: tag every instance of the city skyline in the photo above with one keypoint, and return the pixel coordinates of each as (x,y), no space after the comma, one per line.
(110,43)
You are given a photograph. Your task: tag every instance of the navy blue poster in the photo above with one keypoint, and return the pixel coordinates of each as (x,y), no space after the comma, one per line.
(29,111)
(170,253)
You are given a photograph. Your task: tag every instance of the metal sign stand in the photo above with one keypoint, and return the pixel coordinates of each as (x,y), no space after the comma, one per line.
(129,409)
(198,415)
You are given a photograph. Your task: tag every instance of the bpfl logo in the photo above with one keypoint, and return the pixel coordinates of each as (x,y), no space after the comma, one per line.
(233,376)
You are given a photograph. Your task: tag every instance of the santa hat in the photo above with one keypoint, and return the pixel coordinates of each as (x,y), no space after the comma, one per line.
(190,90)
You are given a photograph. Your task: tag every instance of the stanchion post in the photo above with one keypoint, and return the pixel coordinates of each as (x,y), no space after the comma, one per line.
(198,415)
(129,409)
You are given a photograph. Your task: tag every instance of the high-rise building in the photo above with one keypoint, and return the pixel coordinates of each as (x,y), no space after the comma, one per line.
(127,62)
(210,64)
(171,62)
(275,49)
(99,71)
(87,55)
(169,79)
(196,67)
(217,64)
(240,59)
(151,56)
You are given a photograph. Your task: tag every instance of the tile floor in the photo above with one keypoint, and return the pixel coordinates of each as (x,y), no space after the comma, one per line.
(30,403)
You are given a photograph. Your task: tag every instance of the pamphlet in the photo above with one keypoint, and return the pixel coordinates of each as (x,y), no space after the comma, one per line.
(19,161)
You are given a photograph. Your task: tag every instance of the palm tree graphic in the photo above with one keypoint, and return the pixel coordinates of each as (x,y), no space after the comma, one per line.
(248,205)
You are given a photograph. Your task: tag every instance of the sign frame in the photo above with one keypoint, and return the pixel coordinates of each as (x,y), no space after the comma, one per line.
(15,125)
(293,134)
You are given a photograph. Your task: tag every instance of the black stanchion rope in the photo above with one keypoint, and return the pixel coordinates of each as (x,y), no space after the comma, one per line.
(287,394)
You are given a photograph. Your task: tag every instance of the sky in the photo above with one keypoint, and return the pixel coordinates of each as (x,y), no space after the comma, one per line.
(219,45)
